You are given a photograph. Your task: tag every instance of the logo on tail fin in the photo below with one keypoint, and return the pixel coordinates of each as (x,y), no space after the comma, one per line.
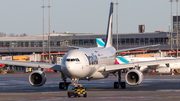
(100,42)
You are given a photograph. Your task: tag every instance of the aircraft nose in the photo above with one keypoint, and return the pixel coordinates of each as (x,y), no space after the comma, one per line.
(70,69)
(74,70)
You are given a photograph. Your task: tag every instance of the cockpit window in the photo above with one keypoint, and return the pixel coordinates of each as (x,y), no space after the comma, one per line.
(72,59)
(75,59)
(68,60)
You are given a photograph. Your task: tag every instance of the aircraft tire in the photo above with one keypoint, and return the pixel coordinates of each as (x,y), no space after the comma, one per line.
(69,95)
(116,85)
(61,85)
(123,85)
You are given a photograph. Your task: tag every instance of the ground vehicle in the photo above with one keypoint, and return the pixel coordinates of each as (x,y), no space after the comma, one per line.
(76,90)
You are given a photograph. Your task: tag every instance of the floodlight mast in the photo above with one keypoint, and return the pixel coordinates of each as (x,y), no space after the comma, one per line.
(49,33)
(43,28)
(171,25)
(177,28)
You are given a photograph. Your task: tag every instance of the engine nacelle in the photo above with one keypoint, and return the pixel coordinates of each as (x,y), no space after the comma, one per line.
(134,77)
(37,78)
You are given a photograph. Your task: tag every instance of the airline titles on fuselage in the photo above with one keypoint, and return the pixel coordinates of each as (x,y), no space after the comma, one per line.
(92,59)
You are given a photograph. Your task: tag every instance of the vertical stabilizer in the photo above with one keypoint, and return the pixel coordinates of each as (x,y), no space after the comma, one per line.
(109,28)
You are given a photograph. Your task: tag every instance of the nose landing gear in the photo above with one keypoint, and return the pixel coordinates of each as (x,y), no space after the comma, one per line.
(119,83)
(74,80)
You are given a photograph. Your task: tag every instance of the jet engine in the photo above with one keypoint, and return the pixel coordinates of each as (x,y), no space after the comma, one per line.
(37,78)
(134,77)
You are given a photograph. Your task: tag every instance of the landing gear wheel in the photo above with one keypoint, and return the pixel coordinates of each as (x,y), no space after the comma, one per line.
(61,85)
(69,95)
(123,85)
(116,85)
(119,83)
(64,86)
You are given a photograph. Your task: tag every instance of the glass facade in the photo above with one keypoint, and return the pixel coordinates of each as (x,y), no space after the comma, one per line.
(83,42)
(175,22)
(90,40)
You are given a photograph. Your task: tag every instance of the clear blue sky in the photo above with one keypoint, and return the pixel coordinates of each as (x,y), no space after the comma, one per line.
(83,16)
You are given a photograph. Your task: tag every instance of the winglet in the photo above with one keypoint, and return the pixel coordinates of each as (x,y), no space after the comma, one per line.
(109,28)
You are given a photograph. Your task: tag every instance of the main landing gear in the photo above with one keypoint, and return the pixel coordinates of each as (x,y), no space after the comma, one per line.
(119,83)
(63,85)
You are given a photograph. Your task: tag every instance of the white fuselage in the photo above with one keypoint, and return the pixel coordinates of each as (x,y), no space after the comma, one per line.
(83,63)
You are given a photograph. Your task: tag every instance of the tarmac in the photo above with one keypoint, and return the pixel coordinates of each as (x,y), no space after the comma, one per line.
(16,87)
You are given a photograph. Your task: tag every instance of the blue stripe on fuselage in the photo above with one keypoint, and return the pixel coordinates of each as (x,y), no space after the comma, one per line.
(123,59)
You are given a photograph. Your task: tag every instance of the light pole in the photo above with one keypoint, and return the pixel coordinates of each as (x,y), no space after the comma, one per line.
(171,23)
(49,33)
(177,27)
(43,28)
(117,21)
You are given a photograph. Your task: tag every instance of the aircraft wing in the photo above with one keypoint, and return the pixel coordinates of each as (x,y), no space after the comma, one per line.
(112,68)
(31,64)
(123,50)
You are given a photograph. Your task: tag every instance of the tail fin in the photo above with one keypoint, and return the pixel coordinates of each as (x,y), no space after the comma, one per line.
(100,42)
(109,28)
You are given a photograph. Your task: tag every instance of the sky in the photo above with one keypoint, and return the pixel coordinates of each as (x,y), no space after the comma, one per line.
(84,16)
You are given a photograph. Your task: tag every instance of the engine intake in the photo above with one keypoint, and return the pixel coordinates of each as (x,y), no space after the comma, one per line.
(37,78)
(134,77)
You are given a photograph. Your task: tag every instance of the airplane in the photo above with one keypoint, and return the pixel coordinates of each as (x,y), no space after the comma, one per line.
(129,59)
(93,63)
